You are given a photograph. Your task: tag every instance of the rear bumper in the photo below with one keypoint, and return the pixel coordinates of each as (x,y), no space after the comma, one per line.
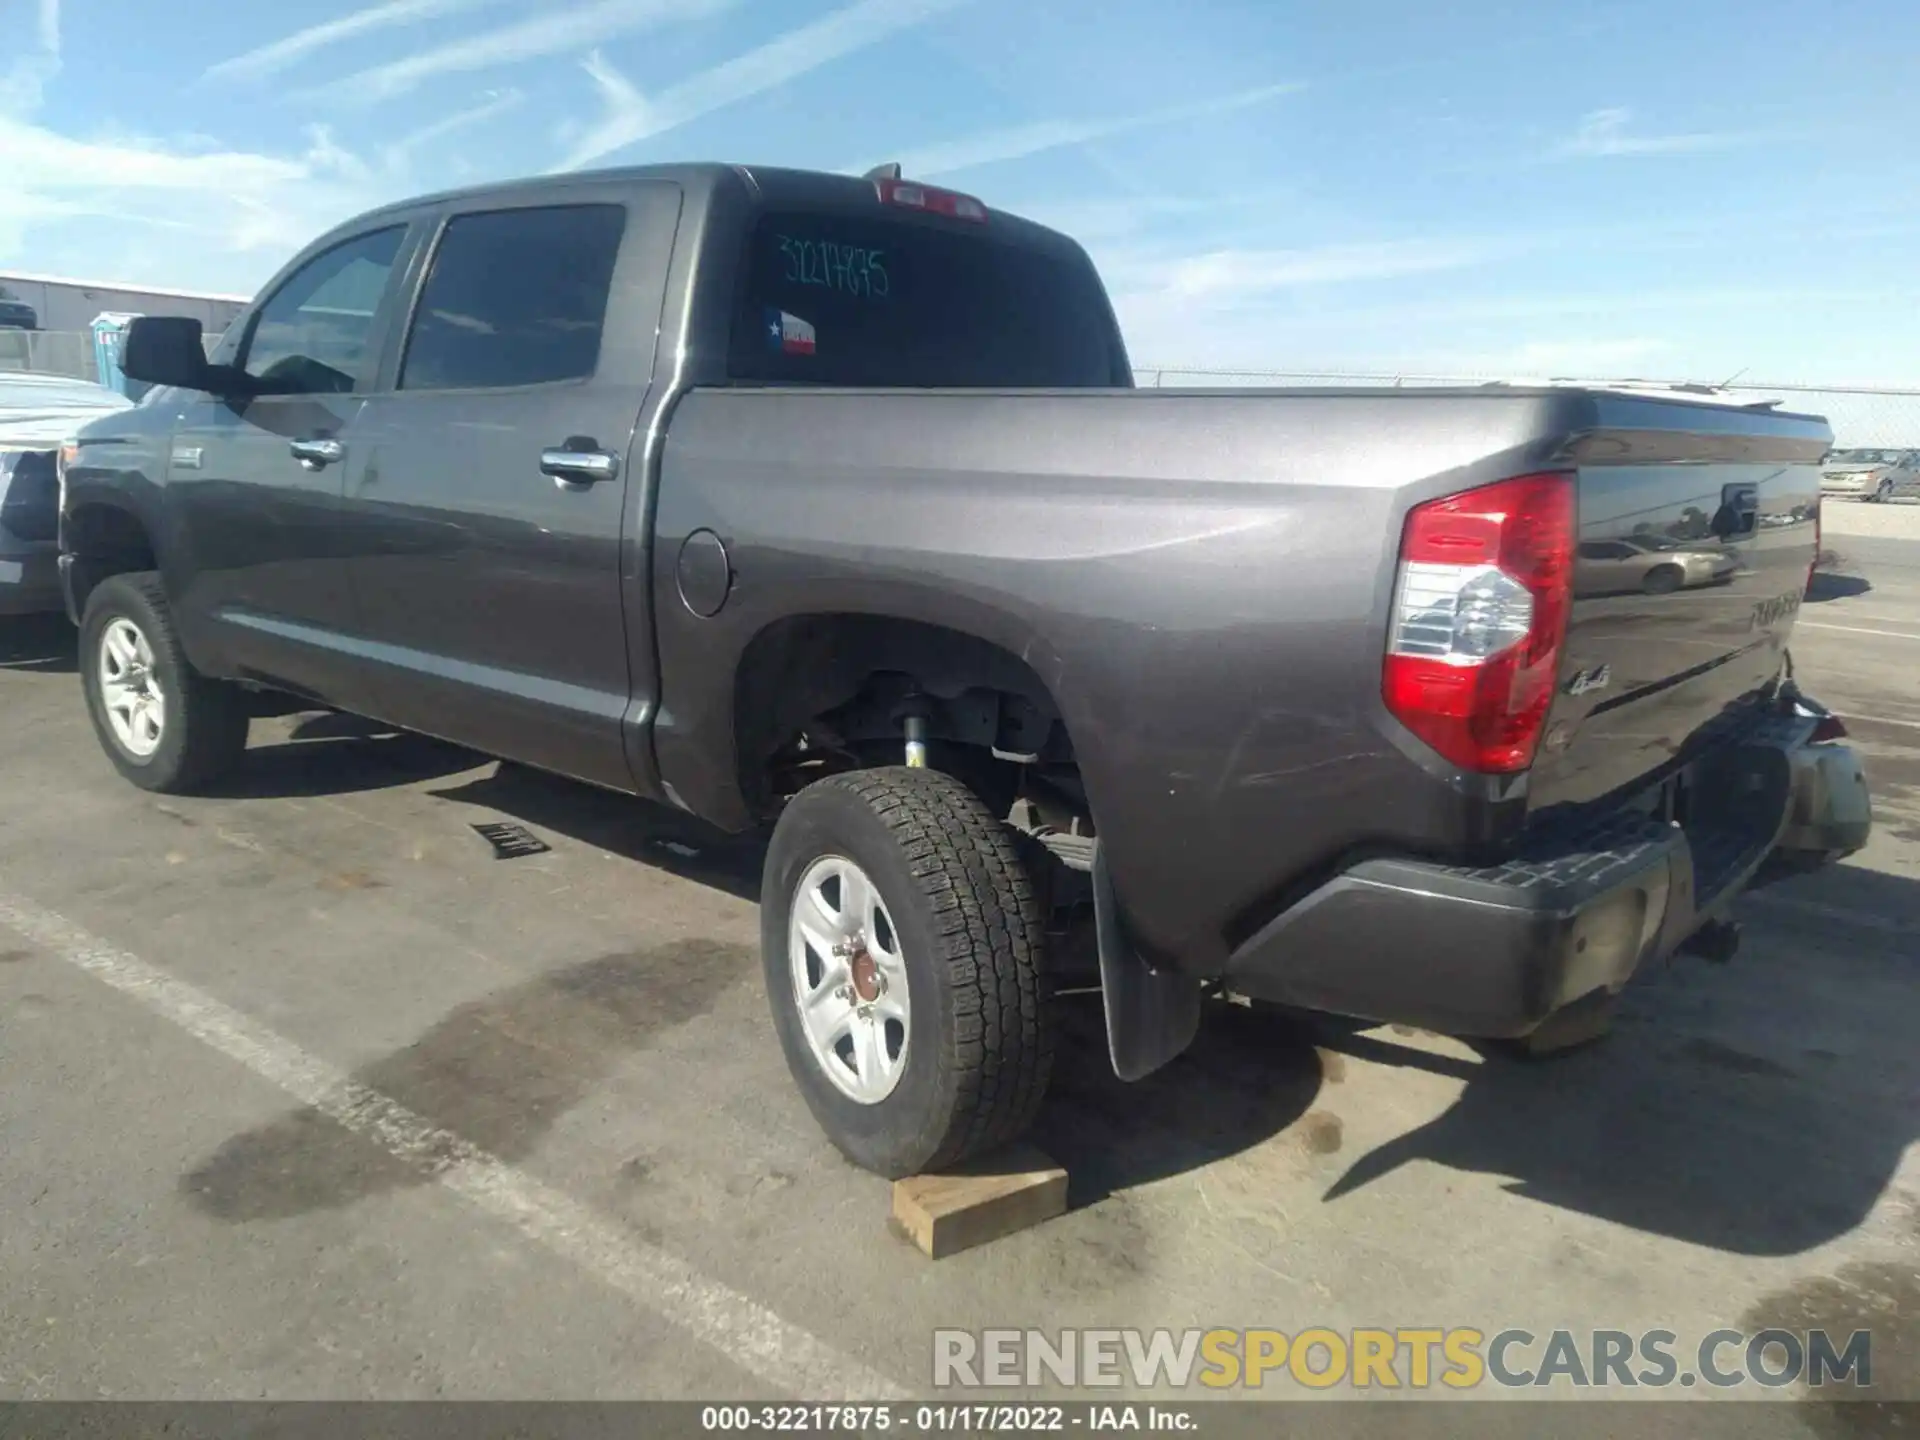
(1495,951)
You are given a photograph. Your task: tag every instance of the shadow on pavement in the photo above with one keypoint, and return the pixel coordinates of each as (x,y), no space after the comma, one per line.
(333,754)
(1760,1109)
(1247,1077)
(39,645)
(636,829)
(1831,585)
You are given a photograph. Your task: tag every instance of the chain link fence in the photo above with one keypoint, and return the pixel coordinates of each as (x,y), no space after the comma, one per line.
(48,352)
(1861,415)
(59,352)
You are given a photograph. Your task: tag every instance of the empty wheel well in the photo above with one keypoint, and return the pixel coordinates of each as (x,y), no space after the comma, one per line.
(821,693)
(105,540)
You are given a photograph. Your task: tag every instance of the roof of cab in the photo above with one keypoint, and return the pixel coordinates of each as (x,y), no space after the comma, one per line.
(773,184)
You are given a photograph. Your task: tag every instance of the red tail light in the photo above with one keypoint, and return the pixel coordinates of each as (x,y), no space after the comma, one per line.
(1828,728)
(1479,616)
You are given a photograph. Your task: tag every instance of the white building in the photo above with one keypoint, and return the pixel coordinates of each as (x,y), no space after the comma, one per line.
(64,305)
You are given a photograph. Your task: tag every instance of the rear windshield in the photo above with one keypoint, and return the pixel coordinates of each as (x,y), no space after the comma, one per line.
(832,300)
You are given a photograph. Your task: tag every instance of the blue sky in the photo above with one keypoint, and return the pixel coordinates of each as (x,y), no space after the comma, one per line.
(1680,188)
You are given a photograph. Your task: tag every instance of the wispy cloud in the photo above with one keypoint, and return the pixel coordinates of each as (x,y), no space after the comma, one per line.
(24,81)
(271,59)
(631,116)
(1017,142)
(548,33)
(1610,132)
(401,151)
(1243,274)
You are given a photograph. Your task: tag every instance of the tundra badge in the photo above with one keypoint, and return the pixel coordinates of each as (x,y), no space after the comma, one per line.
(1597,678)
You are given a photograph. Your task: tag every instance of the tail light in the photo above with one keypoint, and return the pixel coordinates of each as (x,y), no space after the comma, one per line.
(1479,617)
(1827,728)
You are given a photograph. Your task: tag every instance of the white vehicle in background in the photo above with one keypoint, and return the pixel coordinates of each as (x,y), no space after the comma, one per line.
(37,413)
(1871,474)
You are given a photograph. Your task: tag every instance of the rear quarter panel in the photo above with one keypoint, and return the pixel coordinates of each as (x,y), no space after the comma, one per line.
(1199,578)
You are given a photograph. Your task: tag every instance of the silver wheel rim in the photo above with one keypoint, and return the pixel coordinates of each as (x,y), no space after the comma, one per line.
(849,979)
(135,705)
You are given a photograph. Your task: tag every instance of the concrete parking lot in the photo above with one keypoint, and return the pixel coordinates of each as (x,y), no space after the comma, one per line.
(305,1094)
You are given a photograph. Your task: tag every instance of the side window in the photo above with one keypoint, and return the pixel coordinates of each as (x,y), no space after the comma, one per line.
(515,297)
(311,336)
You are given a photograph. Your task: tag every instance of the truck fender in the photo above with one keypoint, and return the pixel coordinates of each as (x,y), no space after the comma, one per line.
(1152,1014)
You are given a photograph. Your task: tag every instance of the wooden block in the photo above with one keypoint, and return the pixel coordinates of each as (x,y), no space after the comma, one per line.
(980,1201)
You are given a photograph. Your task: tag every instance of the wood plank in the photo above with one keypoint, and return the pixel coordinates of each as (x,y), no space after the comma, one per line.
(981,1201)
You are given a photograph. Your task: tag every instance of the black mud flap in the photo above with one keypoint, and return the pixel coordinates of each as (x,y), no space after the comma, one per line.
(1152,1015)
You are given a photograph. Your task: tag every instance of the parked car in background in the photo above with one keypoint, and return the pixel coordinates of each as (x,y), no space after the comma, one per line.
(37,412)
(1871,474)
(1657,567)
(15,313)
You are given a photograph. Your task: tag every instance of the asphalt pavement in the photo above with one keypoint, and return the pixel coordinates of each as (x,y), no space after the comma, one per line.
(303,1093)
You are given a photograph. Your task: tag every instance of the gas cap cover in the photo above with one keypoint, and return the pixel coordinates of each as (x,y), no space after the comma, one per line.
(705,573)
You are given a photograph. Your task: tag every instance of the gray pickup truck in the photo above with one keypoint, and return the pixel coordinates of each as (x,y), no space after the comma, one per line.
(827,504)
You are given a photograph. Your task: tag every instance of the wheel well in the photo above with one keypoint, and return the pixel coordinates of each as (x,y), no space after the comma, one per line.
(819,693)
(105,540)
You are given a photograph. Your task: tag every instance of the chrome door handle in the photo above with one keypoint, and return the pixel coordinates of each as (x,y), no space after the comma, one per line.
(576,469)
(318,454)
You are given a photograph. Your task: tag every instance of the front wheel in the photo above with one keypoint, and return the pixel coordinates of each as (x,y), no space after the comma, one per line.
(165,726)
(902,942)
(1664,580)
(1883,493)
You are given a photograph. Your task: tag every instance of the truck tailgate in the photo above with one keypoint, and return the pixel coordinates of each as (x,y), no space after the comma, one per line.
(1698,528)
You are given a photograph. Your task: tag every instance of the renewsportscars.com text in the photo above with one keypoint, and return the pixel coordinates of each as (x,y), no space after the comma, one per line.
(1460,1358)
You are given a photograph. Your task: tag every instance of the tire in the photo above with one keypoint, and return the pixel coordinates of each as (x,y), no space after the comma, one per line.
(967,1067)
(1663,580)
(1883,493)
(199,728)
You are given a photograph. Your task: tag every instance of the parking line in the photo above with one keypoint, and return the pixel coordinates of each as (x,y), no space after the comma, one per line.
(1877,719)
(743,1330)
(1855,630)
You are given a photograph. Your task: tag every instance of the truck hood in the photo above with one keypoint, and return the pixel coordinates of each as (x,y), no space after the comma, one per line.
(37,412)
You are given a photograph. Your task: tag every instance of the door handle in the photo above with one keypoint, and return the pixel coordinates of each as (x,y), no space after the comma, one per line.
(578,464)
(318,454)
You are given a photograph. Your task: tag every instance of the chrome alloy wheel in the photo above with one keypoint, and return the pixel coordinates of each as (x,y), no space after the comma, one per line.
(130,694)
(849,979)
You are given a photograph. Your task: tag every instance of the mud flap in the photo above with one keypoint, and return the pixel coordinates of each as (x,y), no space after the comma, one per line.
(1152,1015)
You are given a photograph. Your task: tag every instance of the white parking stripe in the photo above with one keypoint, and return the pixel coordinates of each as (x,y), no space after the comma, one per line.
(743,1330)
(1855,630)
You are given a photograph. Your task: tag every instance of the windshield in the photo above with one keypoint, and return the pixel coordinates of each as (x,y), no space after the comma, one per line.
(1865,457)
(830,300)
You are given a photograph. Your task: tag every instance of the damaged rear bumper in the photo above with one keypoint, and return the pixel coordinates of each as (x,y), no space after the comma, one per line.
(1493,951)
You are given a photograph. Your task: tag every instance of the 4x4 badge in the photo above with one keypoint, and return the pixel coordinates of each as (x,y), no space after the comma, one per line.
(1596,679)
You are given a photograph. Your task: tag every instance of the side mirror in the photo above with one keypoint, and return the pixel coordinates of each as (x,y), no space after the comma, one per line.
(165,350)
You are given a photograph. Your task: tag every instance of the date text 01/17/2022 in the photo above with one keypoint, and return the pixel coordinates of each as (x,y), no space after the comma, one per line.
(946,1418)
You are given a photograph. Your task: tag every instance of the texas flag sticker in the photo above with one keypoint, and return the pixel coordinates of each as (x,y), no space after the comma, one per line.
(788,334)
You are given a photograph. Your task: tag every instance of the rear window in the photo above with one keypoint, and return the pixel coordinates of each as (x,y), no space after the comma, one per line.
(833,300)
